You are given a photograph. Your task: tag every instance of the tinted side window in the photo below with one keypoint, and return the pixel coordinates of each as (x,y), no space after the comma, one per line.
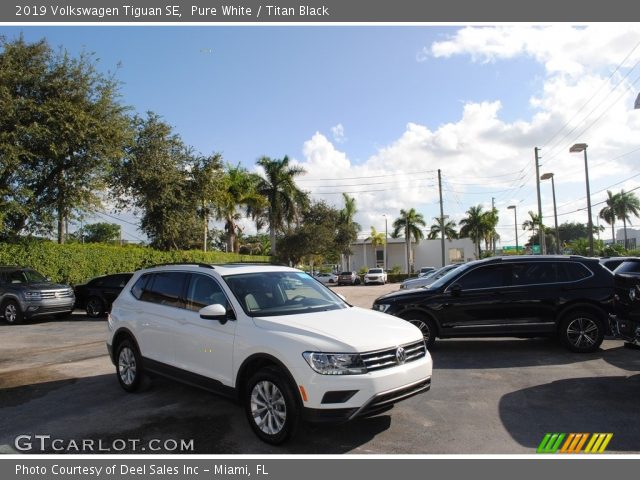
(629,266)
(115,281)
(576,271)
(96,282)
(165,288)
(535,273)
(204,290)
(139,286)
(488,276)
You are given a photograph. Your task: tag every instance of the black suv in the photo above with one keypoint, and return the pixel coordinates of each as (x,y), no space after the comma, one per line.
(97,295)
(523,296)
(25,293)
(626,322)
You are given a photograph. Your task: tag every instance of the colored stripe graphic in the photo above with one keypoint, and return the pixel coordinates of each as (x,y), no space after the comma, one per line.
(550,443)
(598,442)
(574,443)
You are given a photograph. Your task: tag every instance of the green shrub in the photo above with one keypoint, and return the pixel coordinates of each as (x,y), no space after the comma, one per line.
(397,277)
(76,263)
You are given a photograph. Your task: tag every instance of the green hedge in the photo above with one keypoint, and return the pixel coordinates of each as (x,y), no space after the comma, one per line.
(75,263)
(397,277)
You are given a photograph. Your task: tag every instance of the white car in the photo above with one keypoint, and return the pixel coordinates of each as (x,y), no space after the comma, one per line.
(326,278)
(273,337)
(375,275)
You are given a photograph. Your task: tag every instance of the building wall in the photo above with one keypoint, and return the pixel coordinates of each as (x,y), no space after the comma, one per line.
(427,253)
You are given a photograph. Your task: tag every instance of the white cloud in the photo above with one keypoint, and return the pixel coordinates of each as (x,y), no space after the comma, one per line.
(482,155)
(338,133)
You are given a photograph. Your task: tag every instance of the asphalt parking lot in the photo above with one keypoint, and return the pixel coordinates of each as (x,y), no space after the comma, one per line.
(495,396)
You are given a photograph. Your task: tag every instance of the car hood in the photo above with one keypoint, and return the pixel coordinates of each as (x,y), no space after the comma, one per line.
(405,295)
(351,329)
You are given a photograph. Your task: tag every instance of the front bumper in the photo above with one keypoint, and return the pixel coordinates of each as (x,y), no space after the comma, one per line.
(41,308)
(625,329)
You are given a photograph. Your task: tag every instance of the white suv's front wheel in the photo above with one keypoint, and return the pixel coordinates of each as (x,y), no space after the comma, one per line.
(271,407)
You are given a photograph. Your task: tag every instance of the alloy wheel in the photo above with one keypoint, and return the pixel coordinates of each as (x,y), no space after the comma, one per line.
(268,407)
(127,367)
(582,332)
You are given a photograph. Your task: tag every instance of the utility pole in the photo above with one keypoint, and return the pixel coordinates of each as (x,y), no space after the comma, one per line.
(441,216)
(493,237)
(543,249)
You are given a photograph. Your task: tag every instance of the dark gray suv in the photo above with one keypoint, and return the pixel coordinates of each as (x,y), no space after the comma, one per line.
(25,293)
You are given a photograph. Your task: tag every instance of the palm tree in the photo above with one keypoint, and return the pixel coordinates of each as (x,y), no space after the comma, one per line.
(350,227)
(410,222)
(627,205)
(608,213)
(238,188)
(377,239)
(490,219)
(449,229)
(533,224)
(474,226)
(284,199)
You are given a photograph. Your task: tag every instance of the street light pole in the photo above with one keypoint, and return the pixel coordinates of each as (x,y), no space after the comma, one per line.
(582,147)
(386,238)
(515,220)
(547,176)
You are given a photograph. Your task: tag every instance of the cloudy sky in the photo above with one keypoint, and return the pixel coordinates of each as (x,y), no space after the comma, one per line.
(376,111)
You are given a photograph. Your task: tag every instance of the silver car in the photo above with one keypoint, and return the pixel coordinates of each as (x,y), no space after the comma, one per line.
(428,279)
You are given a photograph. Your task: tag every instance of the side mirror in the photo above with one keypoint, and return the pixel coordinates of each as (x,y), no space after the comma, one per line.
(456,289)
(214,312)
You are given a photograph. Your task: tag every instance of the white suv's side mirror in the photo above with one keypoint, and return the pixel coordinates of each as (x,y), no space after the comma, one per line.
(214,312)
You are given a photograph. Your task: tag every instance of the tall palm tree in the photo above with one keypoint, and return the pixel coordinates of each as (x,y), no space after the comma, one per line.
(627,205)
(350,226)
(237,189)
(608,212)
(490,219)
(474,226)
(377,239)
(410,222)
(285,200)
(449,229)
(534,224)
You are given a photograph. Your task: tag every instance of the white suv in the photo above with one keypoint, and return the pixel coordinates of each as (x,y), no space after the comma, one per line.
(375,275)
(283,344)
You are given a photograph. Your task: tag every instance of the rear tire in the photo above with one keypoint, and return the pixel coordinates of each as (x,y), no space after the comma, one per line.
(581,331)
(426,326)
(129,369)
(95,307)
(271,406)
(12,313)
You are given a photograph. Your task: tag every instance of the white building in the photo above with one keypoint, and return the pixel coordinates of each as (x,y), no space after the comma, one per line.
(427,253)
(633,238)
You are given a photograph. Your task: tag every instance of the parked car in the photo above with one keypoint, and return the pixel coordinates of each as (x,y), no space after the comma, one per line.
(97,295)
(613,262)
(375,275)
(26,294)
(626,318)
(426,271)
(326,278)
(287,352)
(348,278)
(427,279)
(523,296)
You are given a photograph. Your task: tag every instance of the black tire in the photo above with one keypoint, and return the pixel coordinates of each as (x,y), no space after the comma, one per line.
(268,391)
(426,326)
(581,331)
(129,368)
(95,307)
(12,312)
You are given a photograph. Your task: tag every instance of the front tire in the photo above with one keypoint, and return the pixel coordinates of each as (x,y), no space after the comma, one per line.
(425,325)
(12,313)
(581,331)
(95,307)
(271,406)
(129,369)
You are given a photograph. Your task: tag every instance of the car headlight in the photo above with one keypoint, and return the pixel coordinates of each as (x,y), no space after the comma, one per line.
(335,363)
(632,294)
(32,295)
(381,307)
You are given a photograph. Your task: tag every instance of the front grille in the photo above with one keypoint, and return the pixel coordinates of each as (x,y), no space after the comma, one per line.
(56,293)
(387,358)
(386,400)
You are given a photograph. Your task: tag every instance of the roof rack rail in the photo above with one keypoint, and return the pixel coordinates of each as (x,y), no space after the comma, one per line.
(197,264)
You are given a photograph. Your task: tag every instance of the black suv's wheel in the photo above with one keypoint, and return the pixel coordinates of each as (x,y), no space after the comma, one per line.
(581,331)
(12,312)
(95,307)
(271,407)
(426,326)
(129,366)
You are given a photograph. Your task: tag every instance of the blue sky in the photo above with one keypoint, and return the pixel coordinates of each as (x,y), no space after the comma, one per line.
(379,104)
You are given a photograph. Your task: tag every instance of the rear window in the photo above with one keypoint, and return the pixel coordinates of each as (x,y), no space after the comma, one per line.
(346,273)
(164,288)
(629,266)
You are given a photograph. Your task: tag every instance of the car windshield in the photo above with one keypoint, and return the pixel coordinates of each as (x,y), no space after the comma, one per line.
(446,275)
(265,294)
(26,276)
(375,270)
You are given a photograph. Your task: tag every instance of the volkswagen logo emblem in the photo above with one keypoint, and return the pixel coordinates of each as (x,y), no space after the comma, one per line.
(401,355)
